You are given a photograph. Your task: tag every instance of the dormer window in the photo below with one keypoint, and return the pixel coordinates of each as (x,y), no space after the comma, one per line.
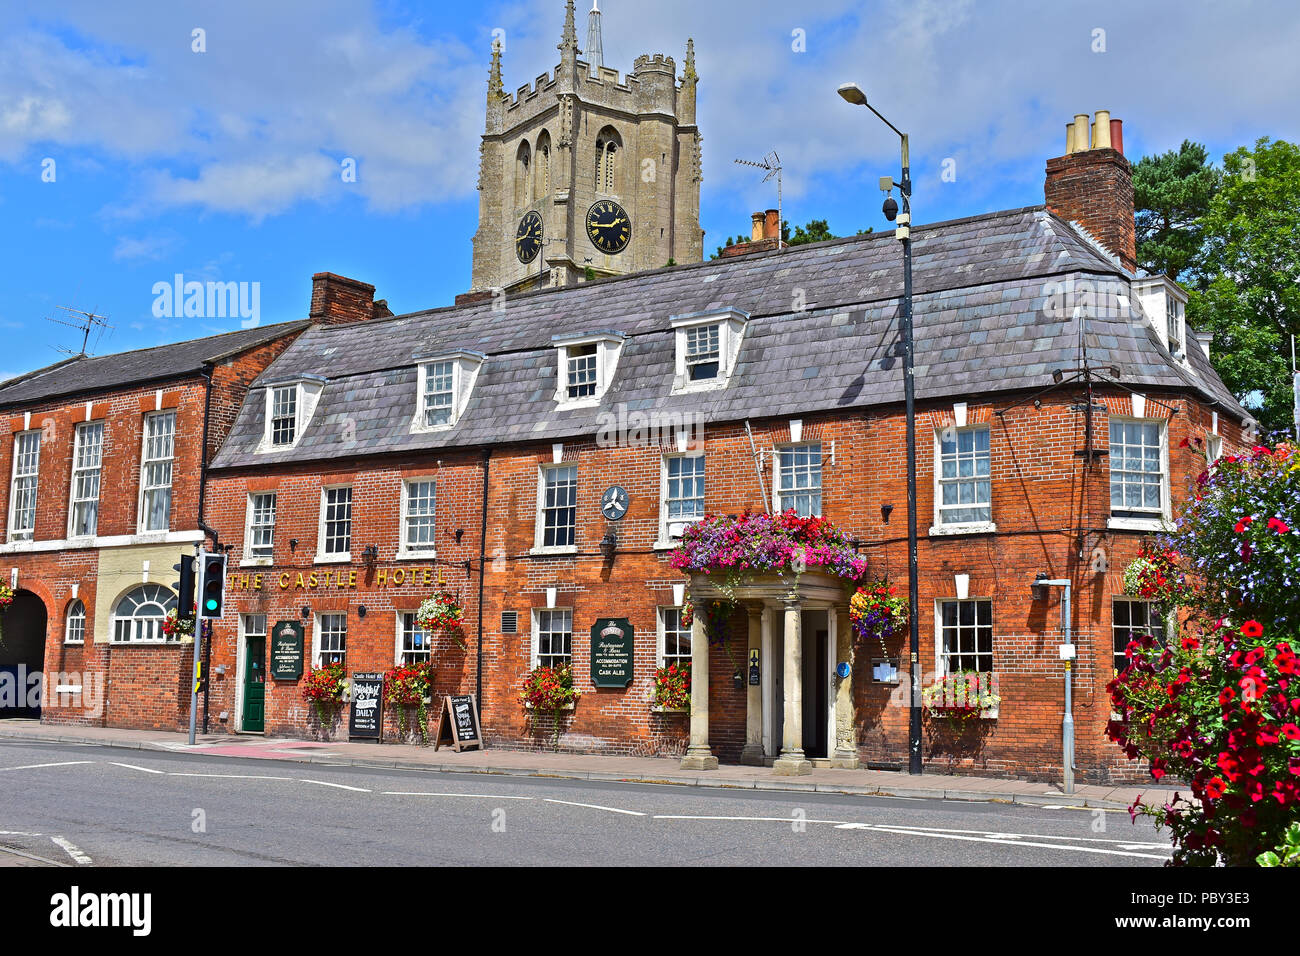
(284,415)
(1174,323)
(707,345)
(445,382)
(586,366)
(1165,305)
(289,406)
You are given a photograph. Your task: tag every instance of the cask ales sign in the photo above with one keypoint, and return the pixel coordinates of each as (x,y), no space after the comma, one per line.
(286,650)
(611,652)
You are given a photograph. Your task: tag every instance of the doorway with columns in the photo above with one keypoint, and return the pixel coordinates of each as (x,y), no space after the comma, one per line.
(799,710)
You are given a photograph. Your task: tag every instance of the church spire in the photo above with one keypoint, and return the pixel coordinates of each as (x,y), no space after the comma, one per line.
(595,43)
(689,74)
(569,41)
(495,87)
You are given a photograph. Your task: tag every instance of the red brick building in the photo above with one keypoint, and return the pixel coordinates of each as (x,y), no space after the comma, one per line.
(476,449)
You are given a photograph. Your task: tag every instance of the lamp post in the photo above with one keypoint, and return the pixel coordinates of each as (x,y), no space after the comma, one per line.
(1038,591)
(852,93)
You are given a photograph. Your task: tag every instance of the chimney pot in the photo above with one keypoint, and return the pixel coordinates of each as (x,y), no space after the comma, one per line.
(1101,130)
(1082,128)
(1117,135)
(772,225)
(758,226)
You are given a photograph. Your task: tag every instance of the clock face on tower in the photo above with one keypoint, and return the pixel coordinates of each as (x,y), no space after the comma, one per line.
(528,238)
(608,227)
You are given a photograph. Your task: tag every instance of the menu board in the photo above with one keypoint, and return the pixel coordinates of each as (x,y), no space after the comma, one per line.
(458,723)
(611,652)
(366,718)
(286,650)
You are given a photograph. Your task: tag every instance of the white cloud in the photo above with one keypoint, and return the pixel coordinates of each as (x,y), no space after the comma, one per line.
(145,248)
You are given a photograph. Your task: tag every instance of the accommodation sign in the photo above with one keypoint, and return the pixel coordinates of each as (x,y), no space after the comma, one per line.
(611,652)
(286,650)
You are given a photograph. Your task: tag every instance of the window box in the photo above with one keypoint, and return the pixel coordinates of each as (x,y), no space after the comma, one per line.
(656,709)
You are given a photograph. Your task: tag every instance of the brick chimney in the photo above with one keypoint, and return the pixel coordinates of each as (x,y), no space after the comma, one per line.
(338,300)
(765,235)
(1092,184)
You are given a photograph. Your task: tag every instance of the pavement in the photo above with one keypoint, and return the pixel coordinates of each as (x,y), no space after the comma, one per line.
(592,767)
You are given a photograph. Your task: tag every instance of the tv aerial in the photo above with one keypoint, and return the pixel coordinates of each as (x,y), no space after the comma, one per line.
(772,164)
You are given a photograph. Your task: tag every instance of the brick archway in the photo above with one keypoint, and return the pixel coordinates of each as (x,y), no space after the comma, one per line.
(22,655)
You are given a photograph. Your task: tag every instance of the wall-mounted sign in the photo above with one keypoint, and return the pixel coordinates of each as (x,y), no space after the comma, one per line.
(345,578)
(458,724)
(884,671)
(366,721)
(611,652)
(755,677)
(286,650)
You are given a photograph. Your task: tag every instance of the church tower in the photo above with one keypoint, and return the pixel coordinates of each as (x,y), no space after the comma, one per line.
(586,170)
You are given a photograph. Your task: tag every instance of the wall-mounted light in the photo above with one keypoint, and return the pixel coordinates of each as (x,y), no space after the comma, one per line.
(609,545)
(370,555)
(1057,375)
(1038,590)
(293,544)
(361,610)
(306,612)
(885,511)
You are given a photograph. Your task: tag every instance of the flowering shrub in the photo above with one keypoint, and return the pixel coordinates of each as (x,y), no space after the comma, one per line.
(961,696)
(407,685)
(441,613)
(173,626)
(877,610)
(324,688)
(1287,853)
(672,688)
(1219,706)
(1154,575)
(549,689)
(759,543)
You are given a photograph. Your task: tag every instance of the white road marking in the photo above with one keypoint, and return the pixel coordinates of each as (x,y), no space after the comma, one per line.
(789,819)
(322,783)
(37,766)
(592,806)
(227,776)
(477,796)
(72,850)
(1042,846)
(996,835)
(131,766)
(17,833)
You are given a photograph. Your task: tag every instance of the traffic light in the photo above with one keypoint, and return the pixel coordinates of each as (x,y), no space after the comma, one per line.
(213,599)
(184,588)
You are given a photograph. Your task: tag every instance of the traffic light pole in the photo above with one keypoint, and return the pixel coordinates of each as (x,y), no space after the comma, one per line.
(198,640)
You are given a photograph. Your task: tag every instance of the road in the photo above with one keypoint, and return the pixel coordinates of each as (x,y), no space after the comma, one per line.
(84,805)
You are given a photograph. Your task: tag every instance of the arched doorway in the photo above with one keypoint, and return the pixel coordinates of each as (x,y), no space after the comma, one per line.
(22,656)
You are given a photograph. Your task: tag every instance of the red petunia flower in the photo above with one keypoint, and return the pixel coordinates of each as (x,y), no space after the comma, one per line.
(1243,524)
(1291,731)
(1216,788)
(1252,628)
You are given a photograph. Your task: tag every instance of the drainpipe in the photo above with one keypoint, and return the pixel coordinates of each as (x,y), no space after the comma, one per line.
(203,487)
(1068,653)
(482,569)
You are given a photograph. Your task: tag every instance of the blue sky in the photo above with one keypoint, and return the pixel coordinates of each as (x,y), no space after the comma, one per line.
(225,164)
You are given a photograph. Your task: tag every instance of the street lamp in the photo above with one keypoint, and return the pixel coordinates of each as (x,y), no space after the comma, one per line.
(853,94)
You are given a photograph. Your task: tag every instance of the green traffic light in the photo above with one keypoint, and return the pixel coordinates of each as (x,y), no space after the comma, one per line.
(212,604)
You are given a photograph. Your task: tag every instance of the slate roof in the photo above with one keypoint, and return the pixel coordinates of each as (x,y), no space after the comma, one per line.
(980,327)
(95,373)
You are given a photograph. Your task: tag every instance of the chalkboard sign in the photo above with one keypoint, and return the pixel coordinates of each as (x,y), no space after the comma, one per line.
(366,719)
(458,724)
(286,650)
(611,652)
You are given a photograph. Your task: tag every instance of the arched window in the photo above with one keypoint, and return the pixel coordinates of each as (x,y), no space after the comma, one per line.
(523,175)
(609,146)
(543,165)
(74,627)
(139,615)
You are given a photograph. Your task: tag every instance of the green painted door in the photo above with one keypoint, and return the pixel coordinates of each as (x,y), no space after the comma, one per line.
(254,685)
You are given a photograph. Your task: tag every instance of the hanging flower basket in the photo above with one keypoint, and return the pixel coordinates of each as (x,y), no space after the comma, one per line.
(411,685)
(672,688)
(549,689)
(1154,575)
(325,688)
(6,599)
(173,626)
(442,614)
(877,610)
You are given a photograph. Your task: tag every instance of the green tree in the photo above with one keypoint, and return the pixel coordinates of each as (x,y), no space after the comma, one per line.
(1171,192)
(1245,277)
(817,230)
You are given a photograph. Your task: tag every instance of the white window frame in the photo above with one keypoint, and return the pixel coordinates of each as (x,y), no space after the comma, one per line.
(536,638)
(78,470)
(334,557)
(779,492)
(69,617)
(940,657)
(1163,623)
(318,633)
(251,558)
(146,461)
(1148,520)
(155,623)
(609,346)
(407,550)
(465,368)
(963,527)
(539,545)
(307,392)
(661,650)
(25,533)
(272,394)
(1213,451)
(667,523)
(731,325)
(400,649)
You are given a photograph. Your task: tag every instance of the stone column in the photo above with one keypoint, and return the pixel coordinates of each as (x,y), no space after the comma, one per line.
(698,756)
(845,752)
(792,762)
(753,752)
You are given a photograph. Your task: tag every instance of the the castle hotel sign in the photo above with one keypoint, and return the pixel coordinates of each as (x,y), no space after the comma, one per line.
(342,578)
